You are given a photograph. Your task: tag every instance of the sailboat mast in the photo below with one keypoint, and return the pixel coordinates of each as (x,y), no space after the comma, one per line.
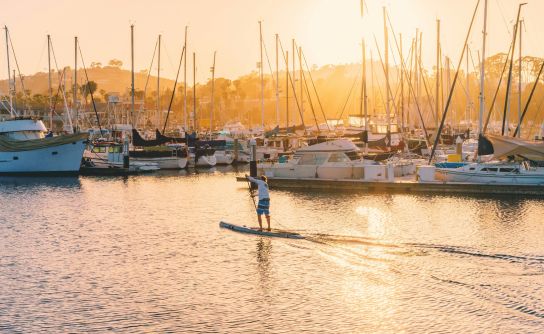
(519,79)
(132,71)
(364,97)
(74,98)
(437,84)
(415,68)
(401,87)
(294,52)
(301,75)
(361,101)
(49,82)
(15,92)
(287,89)
(159,116)
(507,100)
(387,110)
(10,89)
(213,90)
(467,115)
(482,74)
(194,91)
(261,72)
(185,83)
(277,84)
(421,78)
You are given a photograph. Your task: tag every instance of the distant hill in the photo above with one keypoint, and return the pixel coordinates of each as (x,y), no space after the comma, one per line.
(108,78)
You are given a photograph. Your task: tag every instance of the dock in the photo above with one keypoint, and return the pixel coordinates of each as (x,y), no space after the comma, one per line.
(404,185)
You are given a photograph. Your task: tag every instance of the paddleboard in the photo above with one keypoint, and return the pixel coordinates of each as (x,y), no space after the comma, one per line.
(252,230)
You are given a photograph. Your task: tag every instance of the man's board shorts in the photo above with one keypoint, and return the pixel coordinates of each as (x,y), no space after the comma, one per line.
(263,208)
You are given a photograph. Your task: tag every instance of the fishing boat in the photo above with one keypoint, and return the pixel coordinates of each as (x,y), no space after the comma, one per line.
(25,148)
(256,231)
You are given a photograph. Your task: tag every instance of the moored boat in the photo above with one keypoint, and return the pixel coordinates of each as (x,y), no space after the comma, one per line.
(24,148)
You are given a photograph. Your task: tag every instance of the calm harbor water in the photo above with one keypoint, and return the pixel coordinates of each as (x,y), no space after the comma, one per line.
(144,254)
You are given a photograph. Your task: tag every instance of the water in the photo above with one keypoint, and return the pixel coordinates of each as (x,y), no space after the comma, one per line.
(145,254)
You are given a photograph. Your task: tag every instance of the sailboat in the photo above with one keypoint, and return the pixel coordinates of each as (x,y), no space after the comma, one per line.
(518,156)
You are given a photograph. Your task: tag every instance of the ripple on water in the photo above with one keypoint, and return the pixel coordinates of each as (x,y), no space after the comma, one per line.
(145,254)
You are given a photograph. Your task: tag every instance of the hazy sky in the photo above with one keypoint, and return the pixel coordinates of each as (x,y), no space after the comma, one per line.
(328,30)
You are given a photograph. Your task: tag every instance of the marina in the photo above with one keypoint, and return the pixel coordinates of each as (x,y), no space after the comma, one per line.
(300,166)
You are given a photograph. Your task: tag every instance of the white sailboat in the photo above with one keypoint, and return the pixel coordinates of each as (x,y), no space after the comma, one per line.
(499,172)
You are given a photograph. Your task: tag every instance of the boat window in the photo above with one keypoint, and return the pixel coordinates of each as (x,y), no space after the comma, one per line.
(312,159)
(489,169)
(114,149)
(471,168)
(353,155)
(338,157)
(25,135)
(508,170)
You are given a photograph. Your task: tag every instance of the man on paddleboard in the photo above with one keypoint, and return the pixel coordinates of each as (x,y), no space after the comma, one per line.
(263,208)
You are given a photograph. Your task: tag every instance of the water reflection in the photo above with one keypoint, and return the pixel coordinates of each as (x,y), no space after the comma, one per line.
(144,254)
(264,248)
(40,181)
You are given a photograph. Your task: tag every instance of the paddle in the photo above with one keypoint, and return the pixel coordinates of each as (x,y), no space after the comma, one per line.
(251,192)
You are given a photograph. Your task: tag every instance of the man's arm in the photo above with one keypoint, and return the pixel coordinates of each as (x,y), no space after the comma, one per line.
(254,180)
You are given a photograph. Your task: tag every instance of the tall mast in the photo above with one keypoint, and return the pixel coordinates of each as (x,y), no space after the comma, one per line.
(194,91)
(287,89)
(437,88)
(185,83)
(519,79)
(10,88)
(361,101)
(74,103)
(49,82)
(467,115)
(420,81)
(262,74)
(415,68)
(15,92)
(294,77)
(213,87)
(372,84)
(301,75)
(387,110)
(401,87)
(132,71)
(507,100)
(482,81)
(277,84)
(364,97)
(159,116)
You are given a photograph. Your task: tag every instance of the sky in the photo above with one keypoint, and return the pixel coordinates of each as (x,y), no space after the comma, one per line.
(329,31)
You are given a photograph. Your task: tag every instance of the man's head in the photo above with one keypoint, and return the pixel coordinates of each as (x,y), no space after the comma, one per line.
(264,178)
